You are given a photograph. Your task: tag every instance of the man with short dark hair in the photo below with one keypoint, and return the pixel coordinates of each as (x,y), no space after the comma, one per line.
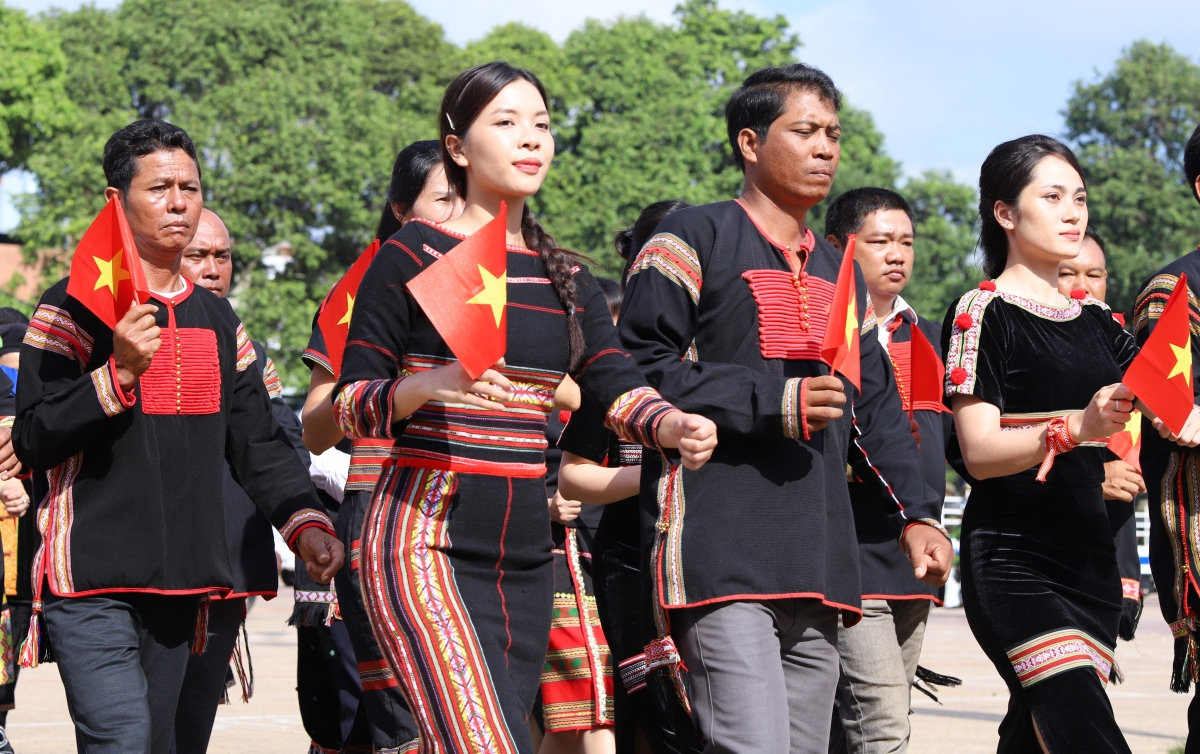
(129,430)
(879,655)
(754,556)
(1171,472)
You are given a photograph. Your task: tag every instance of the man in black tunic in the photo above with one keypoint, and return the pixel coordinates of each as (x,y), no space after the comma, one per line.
(754,556)
(128,431)
(1172,473)
(879,655)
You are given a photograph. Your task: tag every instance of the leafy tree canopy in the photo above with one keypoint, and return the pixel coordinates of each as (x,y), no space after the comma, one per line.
(33,100)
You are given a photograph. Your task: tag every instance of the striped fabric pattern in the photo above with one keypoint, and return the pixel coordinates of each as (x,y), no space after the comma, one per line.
(1057,652)
(366,463)
(271,379)
(421,621)
(245,349)
(52,329)
(671,256)
(55,515)
(634,416)
(113,400)
(1150,302)
(375,675)
(793,424)
(364,409)
(316,357)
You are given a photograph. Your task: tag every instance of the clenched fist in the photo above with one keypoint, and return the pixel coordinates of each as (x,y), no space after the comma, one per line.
(693,435)
(135,341)
(822,396)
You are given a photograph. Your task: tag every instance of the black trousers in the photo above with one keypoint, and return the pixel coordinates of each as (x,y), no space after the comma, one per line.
(204,681)
(122,659)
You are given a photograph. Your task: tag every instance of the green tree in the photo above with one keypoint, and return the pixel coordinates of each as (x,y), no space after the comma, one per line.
(945,267)
(1129,128)
(33,98)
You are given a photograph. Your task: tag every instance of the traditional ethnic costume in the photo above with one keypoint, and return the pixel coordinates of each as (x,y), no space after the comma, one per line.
(577,680)
(455,555)
(131,489)
(640,699)
(755,554)
(879,655)
(252,563)
(384,720)
(1040,582)
(11,632)
(1172,475)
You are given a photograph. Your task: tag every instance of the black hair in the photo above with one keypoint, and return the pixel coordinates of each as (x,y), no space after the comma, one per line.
(847,213)
(762,97)
(1095,236)
(630,240)
(11,316)
(1191,161)
(465,98)
(613,294)
(410,171)
(1004,175)
(138,139)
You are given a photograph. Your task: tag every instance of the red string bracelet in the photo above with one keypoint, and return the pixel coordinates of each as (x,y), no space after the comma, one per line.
(1058,440)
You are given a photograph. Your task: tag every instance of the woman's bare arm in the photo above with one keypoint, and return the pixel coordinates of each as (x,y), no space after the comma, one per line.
(320,431)
(589,482)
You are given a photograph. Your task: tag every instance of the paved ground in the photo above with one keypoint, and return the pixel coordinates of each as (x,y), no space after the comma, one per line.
(1153,718)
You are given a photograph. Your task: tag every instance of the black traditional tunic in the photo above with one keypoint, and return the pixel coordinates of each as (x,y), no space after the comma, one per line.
(1040,583)
(133,483)
(723,327)
(1172,475)
(456,562)
(886,571)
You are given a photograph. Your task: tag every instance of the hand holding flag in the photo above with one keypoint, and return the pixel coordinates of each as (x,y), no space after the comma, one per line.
(1161,374)
(840,348)
(106,273)
(465,295)
(334,320)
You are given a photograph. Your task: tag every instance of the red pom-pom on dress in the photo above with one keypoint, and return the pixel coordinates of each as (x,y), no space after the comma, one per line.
(958,375)
(964,321)
(987,285)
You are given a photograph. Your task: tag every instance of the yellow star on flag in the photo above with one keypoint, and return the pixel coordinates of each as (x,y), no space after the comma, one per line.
(1134,426)
(494,293)
(112,272)
(1183,361)
(851,324)
(345,320)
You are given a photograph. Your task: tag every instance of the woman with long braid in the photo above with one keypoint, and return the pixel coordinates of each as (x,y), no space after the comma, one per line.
(455,555)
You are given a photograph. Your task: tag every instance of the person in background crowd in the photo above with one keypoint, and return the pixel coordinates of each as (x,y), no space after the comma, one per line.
(1172,472)
(1088,272)
(208,263)
(879,655)
(600,469)
(14,493)
(137,470)
(467,512)
(418,188)
(725,310)
(1041,588)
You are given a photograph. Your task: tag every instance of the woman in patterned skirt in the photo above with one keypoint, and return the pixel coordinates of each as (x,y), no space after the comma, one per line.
(455,555)
(1034,381)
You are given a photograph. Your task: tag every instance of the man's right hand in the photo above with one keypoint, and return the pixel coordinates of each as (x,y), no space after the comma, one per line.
(822,397)
(1121,482)
(135,341)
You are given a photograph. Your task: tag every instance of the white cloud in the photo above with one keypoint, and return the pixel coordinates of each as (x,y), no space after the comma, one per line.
(471,19)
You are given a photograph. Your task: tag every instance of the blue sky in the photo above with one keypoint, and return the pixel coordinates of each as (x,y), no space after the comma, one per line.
(946,81)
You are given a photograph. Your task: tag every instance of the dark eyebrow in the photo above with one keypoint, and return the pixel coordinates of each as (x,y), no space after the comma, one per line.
(511,111)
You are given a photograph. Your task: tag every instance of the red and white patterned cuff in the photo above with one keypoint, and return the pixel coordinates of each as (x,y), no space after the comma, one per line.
(1131,589)
(795,419)
(113,400)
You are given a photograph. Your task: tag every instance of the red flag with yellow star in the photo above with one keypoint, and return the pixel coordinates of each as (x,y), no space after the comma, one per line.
(1127,444)
(465,295)
(106,273)
(334,319)
(1161,374)
(840,349)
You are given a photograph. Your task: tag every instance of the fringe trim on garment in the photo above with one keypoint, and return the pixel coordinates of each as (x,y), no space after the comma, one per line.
(314,609)
(200,637)
(34,651)
(244,671)
(661,653)
(1183,669)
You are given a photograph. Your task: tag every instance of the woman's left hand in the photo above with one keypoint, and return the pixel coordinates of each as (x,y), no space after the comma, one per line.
(1189,437)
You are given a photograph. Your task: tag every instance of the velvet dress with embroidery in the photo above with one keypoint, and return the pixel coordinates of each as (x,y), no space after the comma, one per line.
(131,498)
(456,548)
(1040,582)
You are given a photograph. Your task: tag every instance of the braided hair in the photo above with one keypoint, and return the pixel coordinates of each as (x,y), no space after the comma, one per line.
(466,97)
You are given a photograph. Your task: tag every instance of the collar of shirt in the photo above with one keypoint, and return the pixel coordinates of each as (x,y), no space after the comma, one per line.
(887,327)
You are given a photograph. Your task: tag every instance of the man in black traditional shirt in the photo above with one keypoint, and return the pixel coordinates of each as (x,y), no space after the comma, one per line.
(129,432)
(754,556)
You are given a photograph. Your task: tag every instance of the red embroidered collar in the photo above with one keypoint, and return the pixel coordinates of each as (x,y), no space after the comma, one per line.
(807,245)
(177,298)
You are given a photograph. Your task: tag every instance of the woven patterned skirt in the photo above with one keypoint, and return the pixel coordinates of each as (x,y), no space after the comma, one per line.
(577,679)
(456,575)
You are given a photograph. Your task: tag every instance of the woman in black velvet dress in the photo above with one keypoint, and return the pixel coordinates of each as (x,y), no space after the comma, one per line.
(1034,379)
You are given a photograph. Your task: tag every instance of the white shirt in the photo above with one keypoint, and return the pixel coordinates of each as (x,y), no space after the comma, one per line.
(881,332)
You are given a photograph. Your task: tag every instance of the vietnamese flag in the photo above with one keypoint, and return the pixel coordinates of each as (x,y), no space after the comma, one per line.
(927,374)
(1127,444)
(106,273)
(465,294)
(1161,374)
(334,319)
(840,349)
